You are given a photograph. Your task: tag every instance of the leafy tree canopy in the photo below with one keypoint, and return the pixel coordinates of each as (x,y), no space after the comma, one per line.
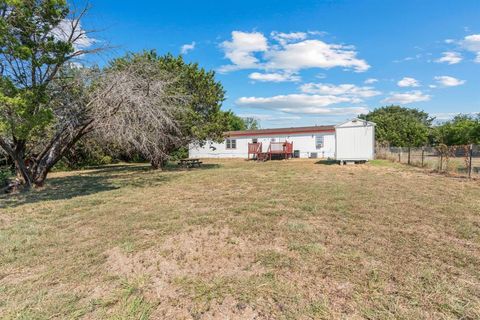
(461,130)
(205,94)
(399,126)
(30,56)
(37,39)
(236,123)
(251,123)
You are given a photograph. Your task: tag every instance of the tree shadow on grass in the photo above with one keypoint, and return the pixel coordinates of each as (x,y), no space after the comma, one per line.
(94,180)
(205,166)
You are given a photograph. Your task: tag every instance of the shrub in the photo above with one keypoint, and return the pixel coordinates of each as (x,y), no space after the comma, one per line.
(180,153)
(5,176)
(86,153)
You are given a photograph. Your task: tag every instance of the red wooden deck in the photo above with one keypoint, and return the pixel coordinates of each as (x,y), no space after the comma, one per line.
(282,150)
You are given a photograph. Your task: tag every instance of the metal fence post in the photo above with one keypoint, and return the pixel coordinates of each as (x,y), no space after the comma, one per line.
(470,162)
(409,151)
(423,156)
(400,156)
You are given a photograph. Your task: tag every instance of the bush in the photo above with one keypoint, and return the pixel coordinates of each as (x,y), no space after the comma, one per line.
(5,176)
(106,160)
(180,153)
(87,153)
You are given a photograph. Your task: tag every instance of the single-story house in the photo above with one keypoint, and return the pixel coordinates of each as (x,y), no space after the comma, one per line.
(353,140)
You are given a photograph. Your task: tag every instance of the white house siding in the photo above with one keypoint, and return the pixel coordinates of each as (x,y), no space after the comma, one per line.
(219,150)
(305,143)
(355,140)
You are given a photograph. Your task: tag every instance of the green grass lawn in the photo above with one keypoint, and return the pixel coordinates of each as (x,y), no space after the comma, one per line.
(243,240)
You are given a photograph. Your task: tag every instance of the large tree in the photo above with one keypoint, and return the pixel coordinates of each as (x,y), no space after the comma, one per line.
(196,118)
(233,122)
(400,126)
(37,39)
(142,115)
(461,130)
(142,103)
(201,119)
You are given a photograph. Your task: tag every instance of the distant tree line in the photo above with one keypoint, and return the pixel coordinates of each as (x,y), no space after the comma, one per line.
(406,127)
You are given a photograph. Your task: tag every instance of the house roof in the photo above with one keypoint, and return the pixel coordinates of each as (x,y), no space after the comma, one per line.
(280,131)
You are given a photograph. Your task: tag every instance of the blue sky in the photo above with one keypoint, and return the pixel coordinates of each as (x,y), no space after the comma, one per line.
(292,63)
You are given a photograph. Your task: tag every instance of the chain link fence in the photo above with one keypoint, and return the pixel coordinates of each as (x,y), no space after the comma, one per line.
(459,160)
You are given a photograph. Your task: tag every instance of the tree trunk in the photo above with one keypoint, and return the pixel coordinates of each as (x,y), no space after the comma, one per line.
(154,164)
(16,151)
(158,163)
(36,172)
(41,176)
(23,172)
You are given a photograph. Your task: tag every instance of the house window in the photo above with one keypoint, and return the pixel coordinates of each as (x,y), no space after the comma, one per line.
(254,140)
(319,142)
(231,143)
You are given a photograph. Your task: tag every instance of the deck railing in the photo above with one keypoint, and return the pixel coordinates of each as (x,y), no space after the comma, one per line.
(281,147)
(254,148)
(275,148)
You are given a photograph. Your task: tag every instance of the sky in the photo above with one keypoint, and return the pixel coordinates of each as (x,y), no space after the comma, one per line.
(296,63)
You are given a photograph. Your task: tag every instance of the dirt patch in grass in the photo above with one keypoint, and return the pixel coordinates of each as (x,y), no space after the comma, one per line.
(205,253)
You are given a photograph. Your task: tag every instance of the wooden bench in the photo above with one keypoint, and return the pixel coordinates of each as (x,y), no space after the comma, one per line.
(190,163)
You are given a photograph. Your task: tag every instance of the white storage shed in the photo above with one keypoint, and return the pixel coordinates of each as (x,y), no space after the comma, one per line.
(355,141)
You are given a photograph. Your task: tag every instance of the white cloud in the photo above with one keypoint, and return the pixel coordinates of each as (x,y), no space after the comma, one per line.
(407,97)
(442,116)
(351,91)
(301,103)
(274,77)
(314,54)
(284,38)
(447,81)
(450,57)
(370,81)
(471,43)
(317,33)
(240,51)
(273,119)
(80,38)
(187,47)
(416,57)
(292,53)
(408,82)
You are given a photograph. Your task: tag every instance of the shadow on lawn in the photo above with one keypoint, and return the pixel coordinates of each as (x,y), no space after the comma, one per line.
(95,180)
(327,162)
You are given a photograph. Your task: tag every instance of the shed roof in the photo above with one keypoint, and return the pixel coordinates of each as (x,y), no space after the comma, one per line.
(280,131)
(356,121)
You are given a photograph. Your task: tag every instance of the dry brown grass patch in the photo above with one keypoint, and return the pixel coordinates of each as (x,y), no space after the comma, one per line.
(243,240)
